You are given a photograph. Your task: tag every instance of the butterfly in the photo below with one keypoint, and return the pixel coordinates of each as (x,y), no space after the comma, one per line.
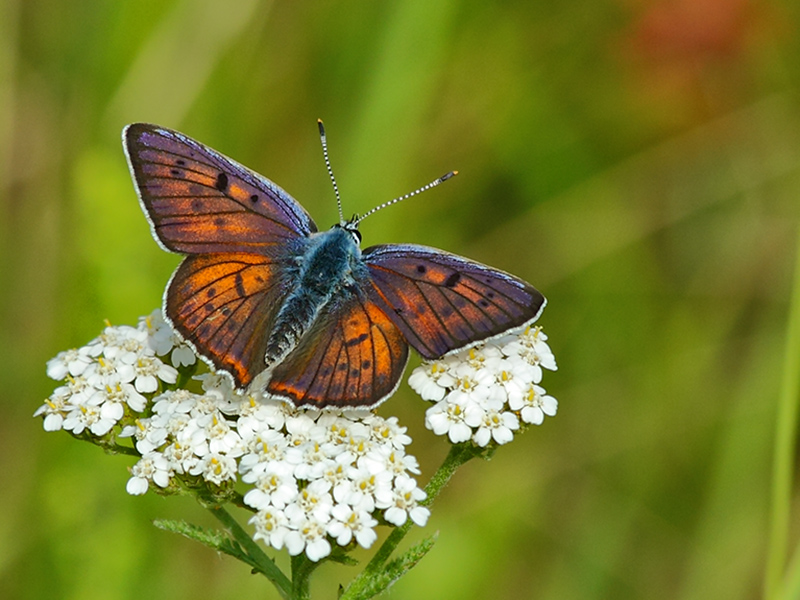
(293,312)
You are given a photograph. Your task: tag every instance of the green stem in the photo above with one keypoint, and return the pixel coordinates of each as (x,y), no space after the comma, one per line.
(302,568)
(185,374)
(264,563)
(785,434)
(458,455)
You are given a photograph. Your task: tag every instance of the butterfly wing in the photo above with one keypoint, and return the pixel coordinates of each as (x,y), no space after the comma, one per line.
(199,201)
(354,355)
(442,302)
(223,304)
(241,232)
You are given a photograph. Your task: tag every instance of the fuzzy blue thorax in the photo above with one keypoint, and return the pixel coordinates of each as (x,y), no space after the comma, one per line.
(326,267)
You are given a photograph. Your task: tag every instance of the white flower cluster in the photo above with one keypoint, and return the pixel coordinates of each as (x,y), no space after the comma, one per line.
(322,474)
(315,476)
(111,372)
(483,393)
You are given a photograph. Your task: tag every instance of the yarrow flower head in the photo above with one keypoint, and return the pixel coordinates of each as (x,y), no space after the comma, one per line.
(314,478)
(488,392)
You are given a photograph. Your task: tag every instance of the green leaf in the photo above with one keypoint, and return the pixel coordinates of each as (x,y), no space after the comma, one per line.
(240,546)
(254,555)
(215,539)
(338,555)
(208,537)
(394,570)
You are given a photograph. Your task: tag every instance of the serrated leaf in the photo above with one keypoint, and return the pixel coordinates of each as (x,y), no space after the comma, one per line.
(221,542)
(209,537)
(393,571)
(402,564)
(337,555)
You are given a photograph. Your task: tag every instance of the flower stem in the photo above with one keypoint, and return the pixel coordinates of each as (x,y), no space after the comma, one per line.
(783,465)
(300,577)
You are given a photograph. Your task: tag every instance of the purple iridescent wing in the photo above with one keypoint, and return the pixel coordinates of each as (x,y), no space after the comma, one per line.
(442,302)
(199,201)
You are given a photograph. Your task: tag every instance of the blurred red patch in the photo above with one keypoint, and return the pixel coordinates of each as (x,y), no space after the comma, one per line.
(697,59)
(694,29)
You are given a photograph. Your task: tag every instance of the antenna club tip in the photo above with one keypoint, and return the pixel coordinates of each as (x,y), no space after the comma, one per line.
(321,126)
(448,175)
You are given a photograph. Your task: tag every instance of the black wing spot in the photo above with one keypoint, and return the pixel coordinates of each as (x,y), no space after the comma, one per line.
(453,279)
(483,302)
(366,364)
(354,372)
(357,340)
(341,367)
(226,310)
(180,162)
(326,371)
(240,286)
(422,309)
(421,269)
(399,311)
(211,292)
(254,198)
(222,182)
(175,172)
(219,222)
(490,294)
(197,204)
(210,307)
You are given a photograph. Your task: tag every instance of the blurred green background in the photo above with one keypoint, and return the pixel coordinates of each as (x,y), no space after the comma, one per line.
(636,160)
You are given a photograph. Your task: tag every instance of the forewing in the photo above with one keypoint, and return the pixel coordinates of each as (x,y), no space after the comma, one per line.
(224,305)
(442,302)
(199,201)
(353,356)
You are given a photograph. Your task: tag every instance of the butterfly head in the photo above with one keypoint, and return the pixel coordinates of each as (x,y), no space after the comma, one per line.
(351,226)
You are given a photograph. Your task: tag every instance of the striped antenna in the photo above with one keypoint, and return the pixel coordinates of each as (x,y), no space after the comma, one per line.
(356,220)
(432,184)
(324,139)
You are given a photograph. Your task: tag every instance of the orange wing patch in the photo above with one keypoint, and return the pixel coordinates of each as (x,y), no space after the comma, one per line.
(223,304)
(353,356)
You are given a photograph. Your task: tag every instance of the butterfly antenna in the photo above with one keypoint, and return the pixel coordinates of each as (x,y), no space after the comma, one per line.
(324,139)
(432,184)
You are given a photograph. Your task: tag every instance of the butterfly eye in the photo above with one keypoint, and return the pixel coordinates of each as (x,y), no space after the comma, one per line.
(352,227)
